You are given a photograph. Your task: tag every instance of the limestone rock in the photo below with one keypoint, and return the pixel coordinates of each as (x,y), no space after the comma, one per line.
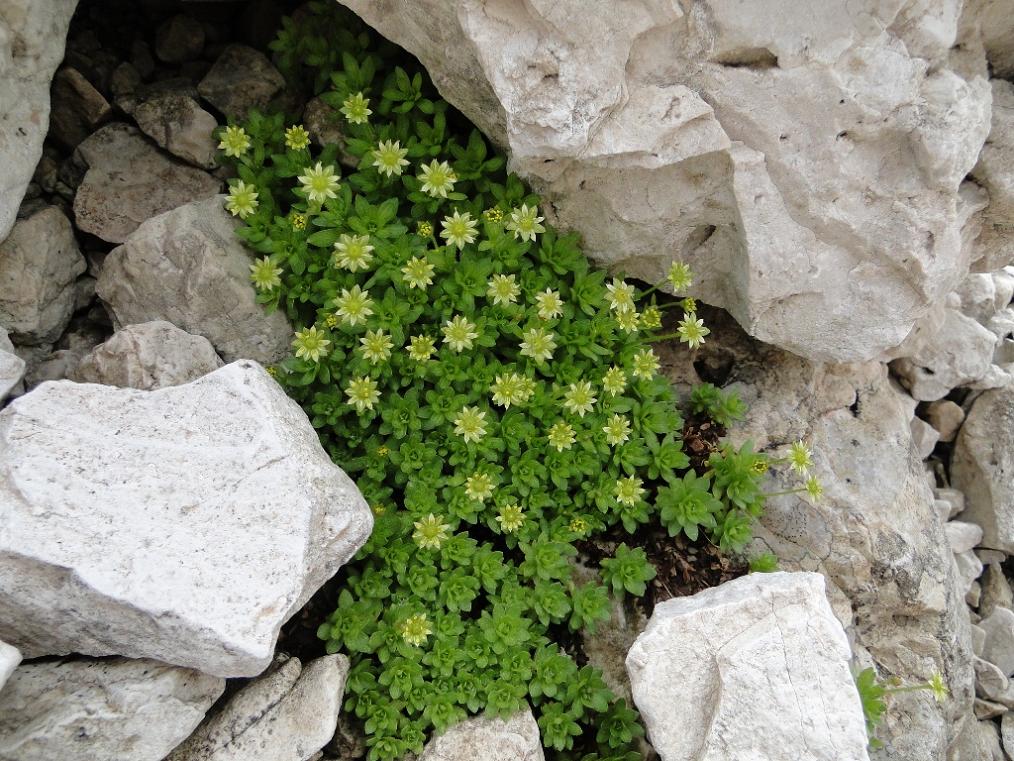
(32,36)
(958,353)
(513,739)
(978,741)
(924,436)
(1007,733)
(999,647)
(996,591)
(983,464)
(148,356)
(741,137)
(78,108)
(994,247)
(179,39)
(10,657)
(184,524)
(757,667)
(129,181)
(101,710)
(946,417)
(875,534)
(12,367)
(287,715)
(39,264)
(241,79)
(188,267)
(177,123)
(996,25)
(962,536)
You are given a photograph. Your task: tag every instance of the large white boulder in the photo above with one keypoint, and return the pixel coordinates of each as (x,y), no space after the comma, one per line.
(184,524)
(148,356)
(10,657)
(101,710)
(32,37)
(513,739)
(807,164)
(188,267)
(756,668)
(983,467)
(12,367)
(286,715)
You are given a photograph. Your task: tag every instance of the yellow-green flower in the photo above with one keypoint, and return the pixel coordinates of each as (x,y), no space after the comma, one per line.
(549,303)
(235,142)
(415,629)
(296,137)
(561,435)
(800,459)
(430,532)
(353,252)
(645,364)
(459,229)
(418,273)
(362,393)
(424,229)
(524,222)
(319,183)
(651,318)
(265,275)
(311,343)
(503,289)
(680,277)
(242,200)
(458,333)
(614,381)
(511,517)
(437,178)
(479,486)
(578,525)
(579,398)
(620,295)
(493,214)
(628,320)
(617,430)
(691,330)
(689,304)
(628,491)
(538,343)
(298,221)
(331,321)
(421,348)
(354,305)
(813,488)
(511,388)
(389,157)
(470,424)
(356,109)
(938,688)
(376,345)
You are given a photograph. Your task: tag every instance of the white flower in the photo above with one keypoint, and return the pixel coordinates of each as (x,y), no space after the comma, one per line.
(320,183)
(418,273)
(376,346)
(437,178)
(242,200)
(617,430)
(459,229)
(561,435)
(628,490)
(470,424)
(265,275)
(550,304)
(356,109)
(538,344)
(479,486)
(645,364)
(458,333)
(421,348)
(362,393)
(579,398)
(691,330)
(524,223)
(389,157)
(614,381)
(353,252)
(503,289)
(354,305)
(621,295)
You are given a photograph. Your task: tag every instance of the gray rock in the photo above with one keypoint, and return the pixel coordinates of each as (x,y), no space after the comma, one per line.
(984,709)
(993,247)
(10,657)
(983,464)
(12,367)
(978,741)
(179,39)
(968,568)
(1007,733)
(924,436)
(101,710)
(147,523)
(953,498)
(148,356)
(996,591)
(946,417)
(999,646)
(513,739)
(39,264)
(990,682)
(58,365)
(129,181)
(287,715)
(962,536)
(78,108)
(188,267)
(757,667)
(177,123)
(241,79)
(32,36)
(978,639)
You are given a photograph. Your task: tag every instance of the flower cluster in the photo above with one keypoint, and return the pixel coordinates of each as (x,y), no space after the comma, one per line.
(494,396)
